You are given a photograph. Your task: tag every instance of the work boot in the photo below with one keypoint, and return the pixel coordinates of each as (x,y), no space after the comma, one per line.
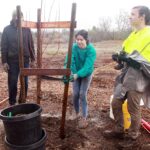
(128,143)
(146,147)
(113,134)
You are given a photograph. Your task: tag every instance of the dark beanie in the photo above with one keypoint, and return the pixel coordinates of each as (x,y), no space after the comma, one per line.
(84,34)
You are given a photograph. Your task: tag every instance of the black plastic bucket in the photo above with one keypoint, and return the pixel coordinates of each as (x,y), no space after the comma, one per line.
(40,145)
(22,123)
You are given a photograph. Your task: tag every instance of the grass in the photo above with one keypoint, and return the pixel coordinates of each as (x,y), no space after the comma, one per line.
(101,47)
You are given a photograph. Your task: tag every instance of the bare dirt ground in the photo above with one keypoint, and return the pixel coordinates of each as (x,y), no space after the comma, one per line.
(99,94)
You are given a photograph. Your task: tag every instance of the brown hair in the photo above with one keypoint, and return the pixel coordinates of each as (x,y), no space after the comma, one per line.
(144,11)
(84,34)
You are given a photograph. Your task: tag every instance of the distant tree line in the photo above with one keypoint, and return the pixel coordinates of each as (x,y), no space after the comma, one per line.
(107,29)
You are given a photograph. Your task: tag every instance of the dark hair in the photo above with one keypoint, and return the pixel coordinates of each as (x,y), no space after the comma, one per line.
(84,34)
(143,10)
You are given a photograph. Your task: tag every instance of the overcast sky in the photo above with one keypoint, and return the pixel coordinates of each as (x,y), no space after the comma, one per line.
(88,11)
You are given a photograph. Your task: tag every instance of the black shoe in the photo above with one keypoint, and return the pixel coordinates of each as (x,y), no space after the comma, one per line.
(113,134)
(12,103)
(128,143)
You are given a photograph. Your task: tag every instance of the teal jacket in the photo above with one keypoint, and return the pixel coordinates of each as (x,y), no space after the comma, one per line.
(82,62)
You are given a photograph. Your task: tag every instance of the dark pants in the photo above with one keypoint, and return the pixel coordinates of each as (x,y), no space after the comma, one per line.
(13,74)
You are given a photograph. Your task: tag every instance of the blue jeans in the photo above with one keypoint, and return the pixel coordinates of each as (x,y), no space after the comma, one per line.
(13,74)
(80,89)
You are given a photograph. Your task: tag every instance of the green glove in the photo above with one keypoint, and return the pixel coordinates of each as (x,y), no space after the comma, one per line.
(65,79)
(133,63)
(122,57)
(71,79)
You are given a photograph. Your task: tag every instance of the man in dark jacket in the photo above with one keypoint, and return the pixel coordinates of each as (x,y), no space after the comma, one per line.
(10,55)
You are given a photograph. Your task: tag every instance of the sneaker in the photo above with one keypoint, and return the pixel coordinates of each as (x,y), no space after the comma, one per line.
(113,134)
(132,135)
(82,124)
(146,147)
(71,102)
(74,116)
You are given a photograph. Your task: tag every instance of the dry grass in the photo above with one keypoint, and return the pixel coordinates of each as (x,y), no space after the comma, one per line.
(101,47)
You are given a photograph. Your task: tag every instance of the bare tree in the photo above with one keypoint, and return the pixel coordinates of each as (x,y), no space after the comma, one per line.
(122,25)
(94,34)
(105,24)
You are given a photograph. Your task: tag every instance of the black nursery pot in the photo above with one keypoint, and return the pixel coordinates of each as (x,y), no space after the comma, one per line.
(40,145)
(22,123)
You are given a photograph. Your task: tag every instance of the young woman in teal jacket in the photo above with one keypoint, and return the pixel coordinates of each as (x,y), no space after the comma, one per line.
(82,67)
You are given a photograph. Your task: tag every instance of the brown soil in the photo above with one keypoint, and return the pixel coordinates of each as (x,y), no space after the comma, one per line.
(99,94)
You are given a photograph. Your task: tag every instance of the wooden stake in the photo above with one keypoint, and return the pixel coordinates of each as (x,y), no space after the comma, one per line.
(39,54)
(21,55)
(65,97)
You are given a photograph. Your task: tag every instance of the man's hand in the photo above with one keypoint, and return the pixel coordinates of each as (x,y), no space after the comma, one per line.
(5,67)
